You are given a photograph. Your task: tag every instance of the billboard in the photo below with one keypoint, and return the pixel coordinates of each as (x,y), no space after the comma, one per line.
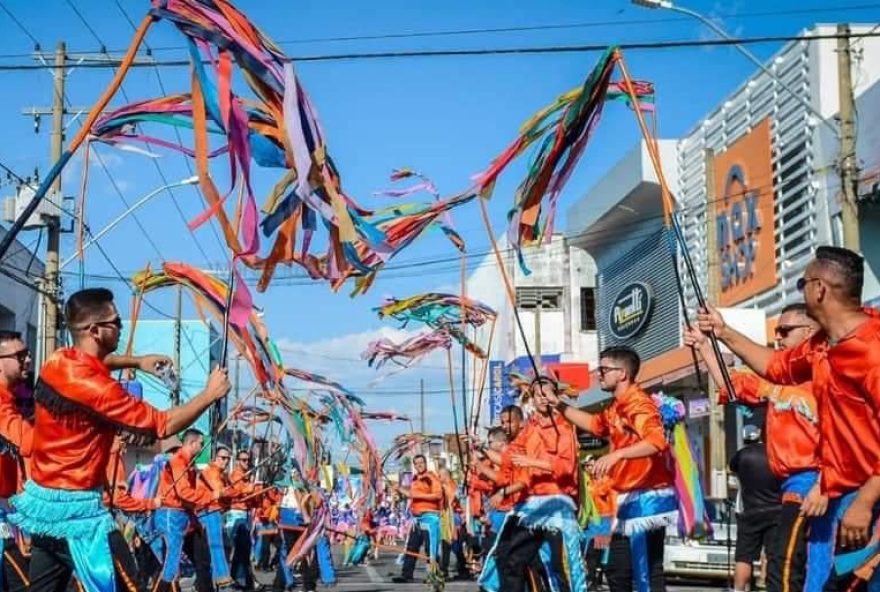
(501,393)
(744,216)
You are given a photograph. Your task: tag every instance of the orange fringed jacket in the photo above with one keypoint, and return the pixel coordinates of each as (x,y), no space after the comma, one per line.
(551,439)
(79,407)
(846,384)
(19,433)
(632,418)
(792,421)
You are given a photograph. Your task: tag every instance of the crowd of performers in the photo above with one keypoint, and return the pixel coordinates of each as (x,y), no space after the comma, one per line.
(539,499)
(530,501)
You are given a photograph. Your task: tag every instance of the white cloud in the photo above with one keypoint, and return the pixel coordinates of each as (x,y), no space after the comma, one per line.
(338,358)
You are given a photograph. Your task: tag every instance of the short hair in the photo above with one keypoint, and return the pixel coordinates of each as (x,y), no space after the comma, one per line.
(420,456)
(496,434)
(625,356)
(514,410)
(85,306)
(849,267)
(7,336)
(222,447)
(191,434)
(795,307)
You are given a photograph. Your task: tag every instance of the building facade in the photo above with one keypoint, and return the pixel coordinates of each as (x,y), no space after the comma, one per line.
(756,191)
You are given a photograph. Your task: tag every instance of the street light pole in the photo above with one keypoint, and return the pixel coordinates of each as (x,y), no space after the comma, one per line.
(668,5)
(115,222)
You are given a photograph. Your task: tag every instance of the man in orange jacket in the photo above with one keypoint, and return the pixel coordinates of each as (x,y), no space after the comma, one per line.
(214,482)
(181,499)
(792,441)
(426,497)
(238,519)
(639,469)
(843,362)
(16,439)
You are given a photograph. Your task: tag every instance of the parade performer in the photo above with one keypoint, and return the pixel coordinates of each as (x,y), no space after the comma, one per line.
(293,519)
(639,468)
(843,363)
(792,440)
(16,439)
(79,408)
(542,462)
(453,541)
(266,529)
(181,500)
(238,520)
(426,498)
(214,484)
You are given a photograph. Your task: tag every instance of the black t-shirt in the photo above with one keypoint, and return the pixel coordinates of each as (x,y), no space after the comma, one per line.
(761,490)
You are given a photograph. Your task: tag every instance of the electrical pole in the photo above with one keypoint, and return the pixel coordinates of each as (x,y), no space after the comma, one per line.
(53,222)
(422,403)
(847,163)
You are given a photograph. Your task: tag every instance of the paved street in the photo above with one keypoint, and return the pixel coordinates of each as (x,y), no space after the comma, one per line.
(376,577)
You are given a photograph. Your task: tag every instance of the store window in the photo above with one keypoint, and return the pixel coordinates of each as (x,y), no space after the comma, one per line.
(545,298)
(588,309)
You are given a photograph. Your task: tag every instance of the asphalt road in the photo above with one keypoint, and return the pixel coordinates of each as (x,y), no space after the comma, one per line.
(376,577)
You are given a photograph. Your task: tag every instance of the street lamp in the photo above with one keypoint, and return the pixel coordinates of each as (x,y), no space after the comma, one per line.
(95,238)
(668,5)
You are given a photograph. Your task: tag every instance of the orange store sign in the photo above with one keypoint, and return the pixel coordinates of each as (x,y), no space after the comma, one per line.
(744,216)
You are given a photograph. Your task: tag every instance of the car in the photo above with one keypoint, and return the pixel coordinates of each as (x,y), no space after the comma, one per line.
(710,558)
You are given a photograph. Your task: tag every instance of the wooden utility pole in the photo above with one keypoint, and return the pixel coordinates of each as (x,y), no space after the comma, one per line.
(847,162)
(717,433)
(53,221)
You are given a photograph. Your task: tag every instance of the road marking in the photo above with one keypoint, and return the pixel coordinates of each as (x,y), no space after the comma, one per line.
(375,578)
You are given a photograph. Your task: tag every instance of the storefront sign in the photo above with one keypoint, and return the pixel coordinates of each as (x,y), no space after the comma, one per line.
(630,310)
(744,216)
(699,408)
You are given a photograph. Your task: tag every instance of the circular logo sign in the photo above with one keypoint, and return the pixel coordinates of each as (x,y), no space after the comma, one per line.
(630,310)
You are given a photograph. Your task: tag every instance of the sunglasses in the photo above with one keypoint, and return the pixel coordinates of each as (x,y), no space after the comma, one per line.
(603,370)
(802,283)
(244,459)
(21,355)
(784,330)
(224,457)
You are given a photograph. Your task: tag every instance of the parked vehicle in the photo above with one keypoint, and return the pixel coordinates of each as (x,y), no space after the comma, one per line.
(710,558)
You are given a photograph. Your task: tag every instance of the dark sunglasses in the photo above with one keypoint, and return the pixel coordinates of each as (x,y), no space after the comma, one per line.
(244,459)
(21,355)
(224,457)
(802,283)
(784,330)
(114,322)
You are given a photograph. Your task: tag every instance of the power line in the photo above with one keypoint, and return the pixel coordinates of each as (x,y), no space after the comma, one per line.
(553,49)
(212,223)
(20,25)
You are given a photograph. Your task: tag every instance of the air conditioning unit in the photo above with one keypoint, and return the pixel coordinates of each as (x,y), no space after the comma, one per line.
(14,206)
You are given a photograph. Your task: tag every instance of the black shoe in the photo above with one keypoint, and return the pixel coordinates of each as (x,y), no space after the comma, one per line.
(402,580)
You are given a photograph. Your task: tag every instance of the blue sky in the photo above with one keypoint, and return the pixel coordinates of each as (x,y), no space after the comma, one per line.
(447,117)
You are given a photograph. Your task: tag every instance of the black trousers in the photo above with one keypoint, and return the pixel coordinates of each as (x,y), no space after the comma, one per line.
(51,566)
(446,550)
(15,568)
(790,553)
(620,570)
(418,538)
(517,557)
(307,569)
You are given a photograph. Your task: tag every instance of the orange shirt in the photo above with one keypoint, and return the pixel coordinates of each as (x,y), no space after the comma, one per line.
(631,418)
(178,492)
(551,439)
(426,484)
(450,494)
(846,384)
(792,421)
(19,433)
(242,487)
(210,481)
(79,408)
